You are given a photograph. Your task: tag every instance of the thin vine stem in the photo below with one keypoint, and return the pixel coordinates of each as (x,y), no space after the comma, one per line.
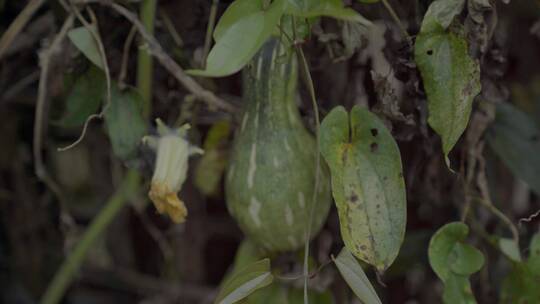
(397,21)
(56,289)
(311,88)
(209,31)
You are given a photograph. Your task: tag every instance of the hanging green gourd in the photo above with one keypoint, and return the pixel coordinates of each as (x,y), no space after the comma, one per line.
(270,178)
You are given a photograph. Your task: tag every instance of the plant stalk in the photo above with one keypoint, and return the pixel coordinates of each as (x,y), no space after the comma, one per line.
(56,289)
(145,64)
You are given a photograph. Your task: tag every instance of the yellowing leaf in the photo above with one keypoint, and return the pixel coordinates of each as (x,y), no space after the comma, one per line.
(367,184)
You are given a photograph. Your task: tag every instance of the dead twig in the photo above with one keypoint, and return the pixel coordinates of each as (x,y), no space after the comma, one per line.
(45,58)
(16,26)
(166,61)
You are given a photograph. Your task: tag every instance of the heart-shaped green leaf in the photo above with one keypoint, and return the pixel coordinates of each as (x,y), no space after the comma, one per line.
(367,184)
(453,261)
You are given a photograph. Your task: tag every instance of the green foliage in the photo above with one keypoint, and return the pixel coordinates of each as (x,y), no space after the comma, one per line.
(328,8)
(355,277)
(84,98)
(367,184)
(521,285)
(451,77)
(513,136)
(247,24)
(244,282)
(210,168)
(510,248)
(454,261)
(83,39)
(238,41)
(125,123)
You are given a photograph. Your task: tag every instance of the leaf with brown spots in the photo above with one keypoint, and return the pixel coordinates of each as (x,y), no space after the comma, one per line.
(451,77)
(366,183)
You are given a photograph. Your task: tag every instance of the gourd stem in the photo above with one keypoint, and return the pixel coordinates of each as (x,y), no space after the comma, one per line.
(311,89)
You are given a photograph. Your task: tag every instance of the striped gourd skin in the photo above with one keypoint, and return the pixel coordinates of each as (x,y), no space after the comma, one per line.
(270,178)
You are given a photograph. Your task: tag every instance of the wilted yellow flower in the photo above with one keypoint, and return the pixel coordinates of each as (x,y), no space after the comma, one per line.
(170,170)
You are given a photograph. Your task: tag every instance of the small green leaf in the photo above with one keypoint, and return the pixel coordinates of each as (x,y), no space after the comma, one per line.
(244,282)
(513,136)
(367,184)
(453,261)
(211,166)
(328,8)
(465,259)
(234,13)
(125,123)
(510,249)
(85,97)
(451,77)
(354,275)
(83,39)
(240,41)
(447,253)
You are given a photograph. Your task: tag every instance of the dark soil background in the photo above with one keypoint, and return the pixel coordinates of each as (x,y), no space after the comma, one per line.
(145,258)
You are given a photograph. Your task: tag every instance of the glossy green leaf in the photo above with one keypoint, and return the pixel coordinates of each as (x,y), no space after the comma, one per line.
(510,249)
(239,42)
(451,77)
(453,261)
(234,13)
(244,282)
(84,98)
(328,8)
(354,275)
(367,184)
(513,136)
(125,123)
(83,39)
